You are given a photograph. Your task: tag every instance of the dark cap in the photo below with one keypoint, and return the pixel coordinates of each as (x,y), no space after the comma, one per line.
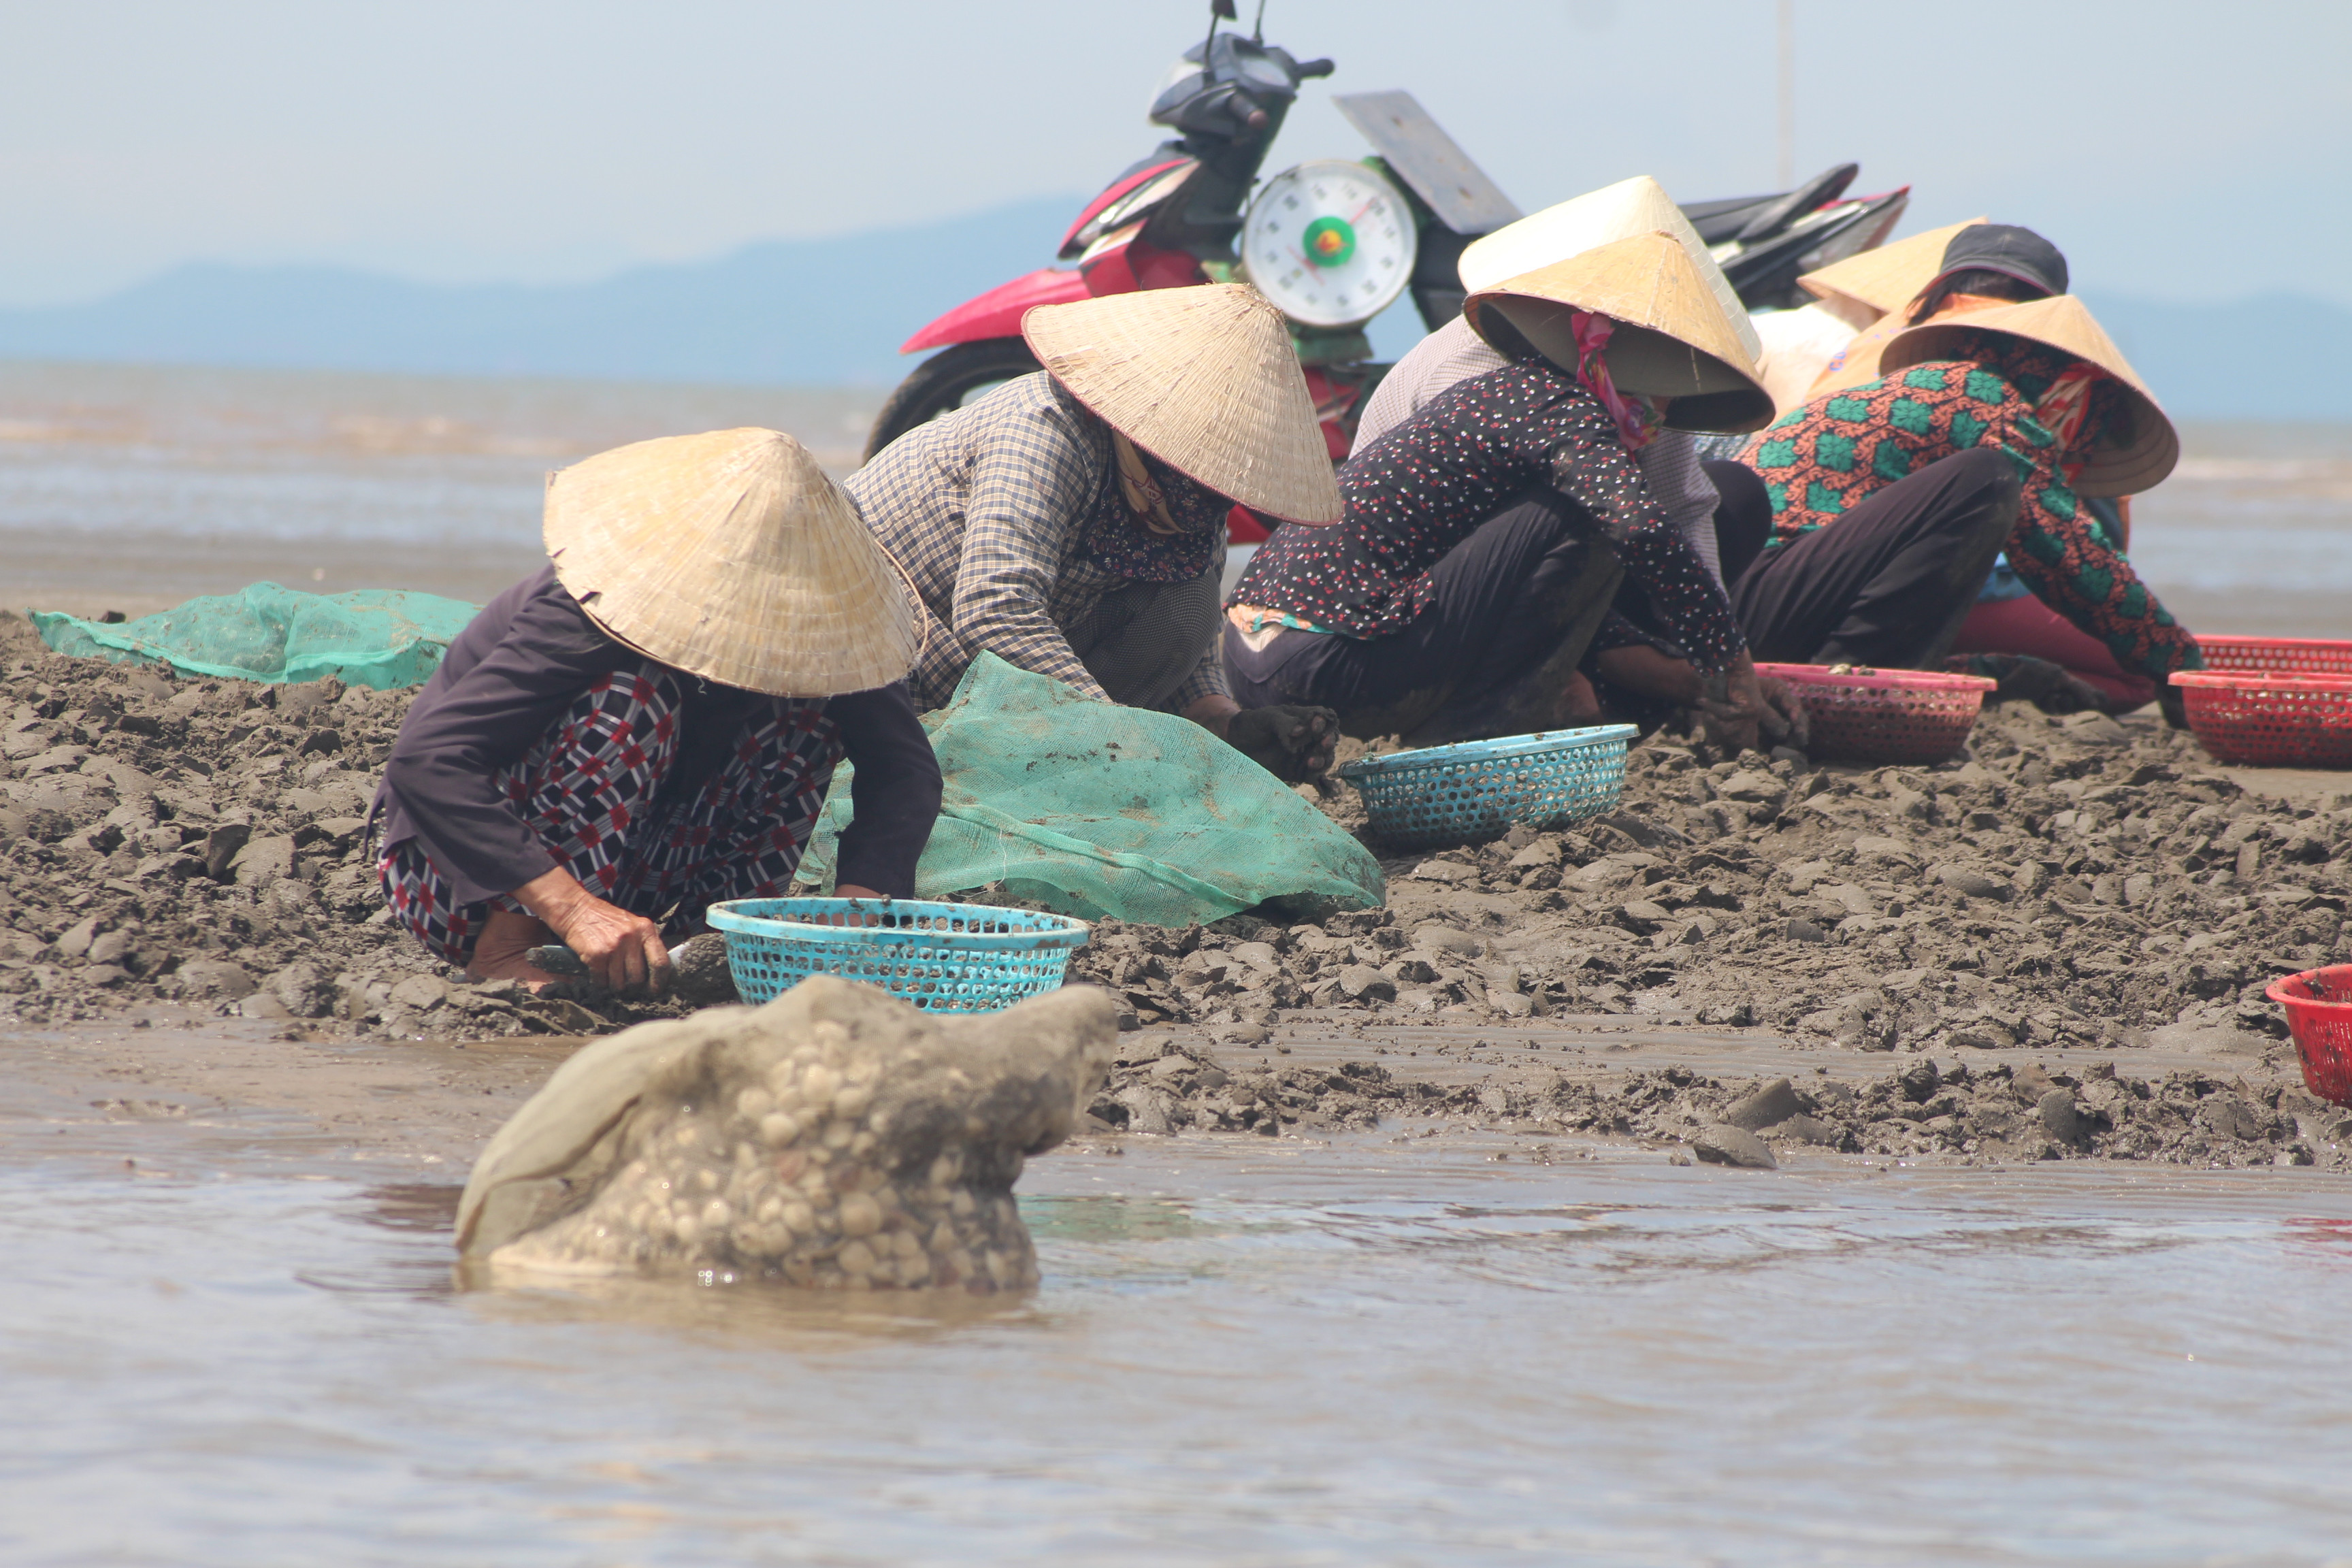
(2011,251)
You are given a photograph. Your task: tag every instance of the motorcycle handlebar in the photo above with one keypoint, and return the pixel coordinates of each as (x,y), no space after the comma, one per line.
(1312,68)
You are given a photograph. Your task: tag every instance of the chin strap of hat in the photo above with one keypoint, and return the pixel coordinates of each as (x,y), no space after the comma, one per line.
(2062,408)
(914,605)
(1638,419)
(1142,492)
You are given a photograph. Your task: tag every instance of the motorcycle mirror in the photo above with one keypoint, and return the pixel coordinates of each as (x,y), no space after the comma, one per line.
(1219,11)
(1823,188)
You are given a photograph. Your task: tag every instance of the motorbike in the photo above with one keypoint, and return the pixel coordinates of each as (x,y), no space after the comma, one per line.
(1331,242)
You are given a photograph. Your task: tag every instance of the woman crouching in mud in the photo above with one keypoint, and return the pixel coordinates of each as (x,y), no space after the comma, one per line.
(1485,536)
(648,725)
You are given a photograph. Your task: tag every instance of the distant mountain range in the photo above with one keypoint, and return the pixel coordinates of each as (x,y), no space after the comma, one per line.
(819,312)
(833,312)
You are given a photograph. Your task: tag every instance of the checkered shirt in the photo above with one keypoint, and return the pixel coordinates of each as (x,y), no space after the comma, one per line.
(984,508)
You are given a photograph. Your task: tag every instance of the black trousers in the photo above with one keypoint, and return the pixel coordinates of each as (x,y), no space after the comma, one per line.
(1743,516)
(1890,582)
(1514,607)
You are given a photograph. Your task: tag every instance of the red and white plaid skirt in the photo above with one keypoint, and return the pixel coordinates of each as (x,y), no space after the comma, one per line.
(590,788)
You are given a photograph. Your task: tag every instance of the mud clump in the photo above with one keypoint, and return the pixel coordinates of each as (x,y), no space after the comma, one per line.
(2059,883)
(2003,1113)
(835,1138)
(202,842)
(1953,1112)
(1157,1086)
(2062,883)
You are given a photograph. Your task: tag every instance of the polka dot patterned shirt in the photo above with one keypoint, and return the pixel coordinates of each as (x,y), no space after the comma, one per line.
(1426,485)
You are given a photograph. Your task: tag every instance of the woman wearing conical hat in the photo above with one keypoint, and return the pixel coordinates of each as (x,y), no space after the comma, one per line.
(647,725)
(1850,297)
(1912,282)
(1636,668)
(1988,431)
(1485,534)
(1073,521)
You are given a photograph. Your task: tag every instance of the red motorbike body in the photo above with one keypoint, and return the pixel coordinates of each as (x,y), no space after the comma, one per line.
(998,313)
(1111,260)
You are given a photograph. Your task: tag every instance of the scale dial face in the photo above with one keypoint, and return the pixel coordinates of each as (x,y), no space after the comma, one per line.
(1331,242)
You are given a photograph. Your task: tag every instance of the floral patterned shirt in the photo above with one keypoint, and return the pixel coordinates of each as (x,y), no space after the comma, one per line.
(1425,485)
(1829,455)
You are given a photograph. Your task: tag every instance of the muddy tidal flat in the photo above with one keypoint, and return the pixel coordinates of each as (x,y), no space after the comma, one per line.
(2052,947)
(1803,1164)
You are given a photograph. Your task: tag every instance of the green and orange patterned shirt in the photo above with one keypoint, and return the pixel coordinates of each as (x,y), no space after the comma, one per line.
(1822,459)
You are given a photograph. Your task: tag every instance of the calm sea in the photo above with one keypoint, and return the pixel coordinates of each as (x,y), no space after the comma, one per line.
(131,487)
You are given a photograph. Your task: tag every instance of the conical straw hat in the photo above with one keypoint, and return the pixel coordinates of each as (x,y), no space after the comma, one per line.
(1672,338)
(1638,205)
(731,556)
(1206,380)
(2063,323)
(1887,279)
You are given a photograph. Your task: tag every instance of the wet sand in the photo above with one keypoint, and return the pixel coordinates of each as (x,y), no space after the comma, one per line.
(433,1103)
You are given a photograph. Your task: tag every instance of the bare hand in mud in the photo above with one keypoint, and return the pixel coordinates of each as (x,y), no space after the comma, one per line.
(2049,685)
(2175,706)
(622,952)
(1295,744)
(1734,712)
(2070,694)
(1782,701)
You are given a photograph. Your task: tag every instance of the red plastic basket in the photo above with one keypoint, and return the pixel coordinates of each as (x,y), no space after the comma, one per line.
(2281,655)
(1909,717)
(2318,1003)
(2250,717)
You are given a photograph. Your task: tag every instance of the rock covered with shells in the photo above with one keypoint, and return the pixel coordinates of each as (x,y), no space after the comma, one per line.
(837,1137)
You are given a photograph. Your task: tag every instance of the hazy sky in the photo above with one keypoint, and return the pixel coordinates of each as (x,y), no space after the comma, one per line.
(2173,149)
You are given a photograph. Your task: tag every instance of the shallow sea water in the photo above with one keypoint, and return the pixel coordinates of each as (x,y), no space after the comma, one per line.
(132,487)
(1382,1349)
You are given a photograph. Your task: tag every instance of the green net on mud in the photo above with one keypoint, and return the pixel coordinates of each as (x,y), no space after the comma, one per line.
(1096,810)
(381,637)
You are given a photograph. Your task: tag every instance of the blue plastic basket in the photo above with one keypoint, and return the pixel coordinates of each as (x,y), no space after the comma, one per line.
(944,958)
(1476,790)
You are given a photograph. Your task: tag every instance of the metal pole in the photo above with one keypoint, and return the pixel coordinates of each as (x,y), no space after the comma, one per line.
(1788,9)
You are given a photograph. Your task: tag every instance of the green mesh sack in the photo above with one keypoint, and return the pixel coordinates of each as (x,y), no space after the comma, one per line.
(1094,810)
(381,638)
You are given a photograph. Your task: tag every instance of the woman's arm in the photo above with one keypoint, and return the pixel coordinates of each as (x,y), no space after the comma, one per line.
(2064,556)
(442,764)
(1032,479)
(895,793)
(1590,464)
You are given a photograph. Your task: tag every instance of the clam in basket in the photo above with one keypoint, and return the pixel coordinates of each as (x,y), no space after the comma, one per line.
(943,958)
(2271,703)
(1479,789)
(1910,718)
(2318,1003)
